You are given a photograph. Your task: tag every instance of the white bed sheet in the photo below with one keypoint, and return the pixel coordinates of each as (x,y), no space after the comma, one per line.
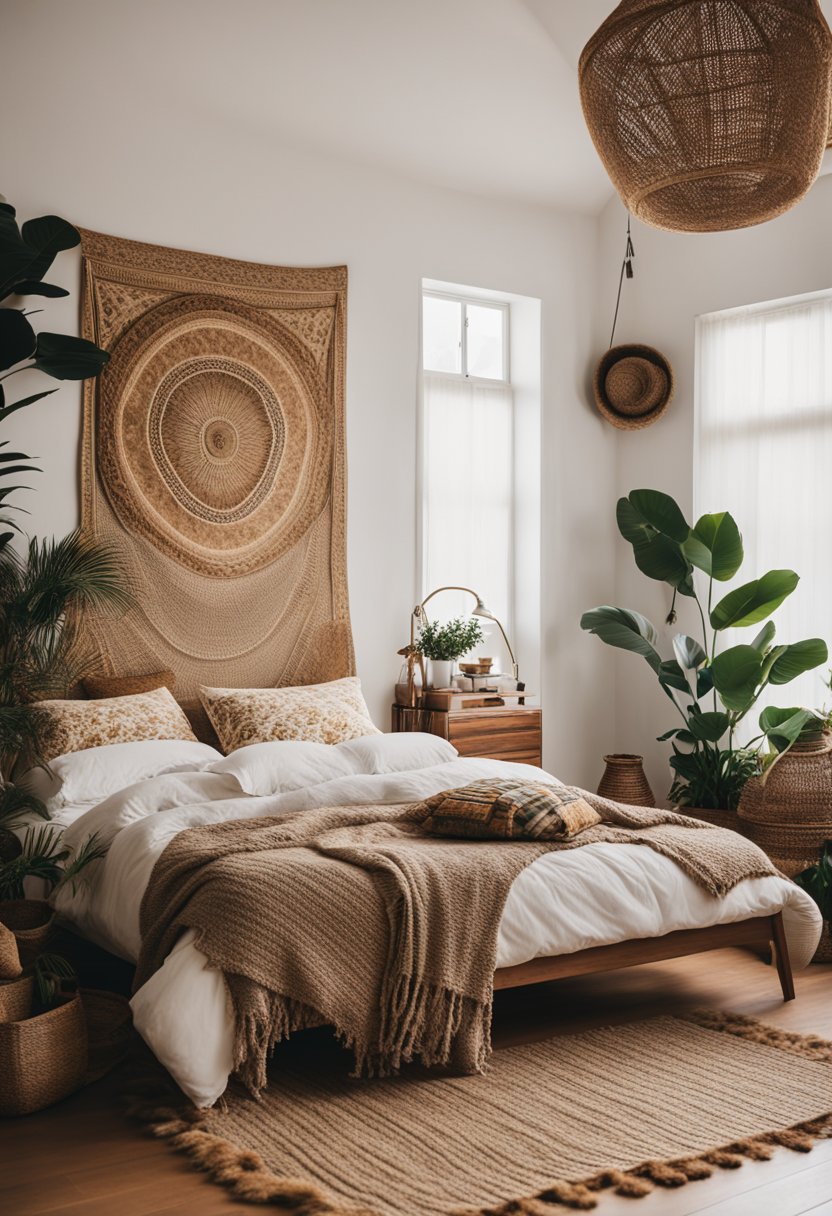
(563,902)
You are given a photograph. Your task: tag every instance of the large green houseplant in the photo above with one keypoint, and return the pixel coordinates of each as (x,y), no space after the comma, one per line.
(712,689)
(26,253)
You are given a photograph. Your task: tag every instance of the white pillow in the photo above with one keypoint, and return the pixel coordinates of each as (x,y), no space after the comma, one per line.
(91,775)
(397,753)
(288,764)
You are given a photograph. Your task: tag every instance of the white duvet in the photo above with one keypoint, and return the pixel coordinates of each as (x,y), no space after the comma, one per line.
(563,902)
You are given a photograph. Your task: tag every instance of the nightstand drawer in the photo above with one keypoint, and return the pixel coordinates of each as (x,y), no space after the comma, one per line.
(512,734)
(503,735)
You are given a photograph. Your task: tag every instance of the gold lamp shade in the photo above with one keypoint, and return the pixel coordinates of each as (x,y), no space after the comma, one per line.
(709,114)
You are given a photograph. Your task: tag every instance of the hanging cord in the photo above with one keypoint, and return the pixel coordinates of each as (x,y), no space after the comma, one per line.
(626,269)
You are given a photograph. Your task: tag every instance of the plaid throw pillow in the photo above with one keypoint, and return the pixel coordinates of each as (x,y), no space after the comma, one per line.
(512,808)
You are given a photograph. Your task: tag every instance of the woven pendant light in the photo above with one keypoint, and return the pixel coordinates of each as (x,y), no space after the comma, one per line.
(709,114)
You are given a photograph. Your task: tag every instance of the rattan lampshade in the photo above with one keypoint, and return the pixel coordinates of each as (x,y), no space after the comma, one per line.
(709,114)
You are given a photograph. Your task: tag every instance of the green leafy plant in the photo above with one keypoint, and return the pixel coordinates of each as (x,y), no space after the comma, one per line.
(26,253)
(43,856)
(445,643)
(817,882)
(43,596)
(54,975)
(709,769)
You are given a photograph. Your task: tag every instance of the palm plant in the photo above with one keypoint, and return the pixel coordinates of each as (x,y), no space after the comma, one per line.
(710,768)
(43,652)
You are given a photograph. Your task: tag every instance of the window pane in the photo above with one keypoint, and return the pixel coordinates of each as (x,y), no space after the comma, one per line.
(469,501)
(485,342)
(764,422)
(441,334)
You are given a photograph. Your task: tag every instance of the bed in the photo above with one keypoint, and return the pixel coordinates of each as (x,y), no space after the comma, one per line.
(589,909)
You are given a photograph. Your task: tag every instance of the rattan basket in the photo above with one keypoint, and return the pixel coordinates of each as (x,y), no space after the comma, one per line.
(716,818)
(43,1058)
(30,920)
(109,1030)
(624,780)
(789,813)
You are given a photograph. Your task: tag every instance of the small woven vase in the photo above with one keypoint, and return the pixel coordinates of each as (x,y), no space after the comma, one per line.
(10,967)
(31,921)
(789,813)
(624,780)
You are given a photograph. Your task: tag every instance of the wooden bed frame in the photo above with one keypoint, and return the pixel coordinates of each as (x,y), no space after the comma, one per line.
(758,933)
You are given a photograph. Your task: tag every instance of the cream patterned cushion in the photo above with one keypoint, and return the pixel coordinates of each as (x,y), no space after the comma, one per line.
(73,726)
(318,713)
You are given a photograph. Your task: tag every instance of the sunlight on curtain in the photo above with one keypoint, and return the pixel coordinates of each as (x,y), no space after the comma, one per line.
(764,452)
(467,521)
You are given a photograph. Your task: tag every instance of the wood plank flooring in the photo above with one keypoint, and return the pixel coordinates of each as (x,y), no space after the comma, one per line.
(81,1158)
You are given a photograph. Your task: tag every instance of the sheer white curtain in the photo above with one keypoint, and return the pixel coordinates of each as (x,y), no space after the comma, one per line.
(764,452)
(468,493)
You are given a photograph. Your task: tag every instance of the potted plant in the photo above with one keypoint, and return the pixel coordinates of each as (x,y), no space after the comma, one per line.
(711,689)
(442,645)
(43,1037)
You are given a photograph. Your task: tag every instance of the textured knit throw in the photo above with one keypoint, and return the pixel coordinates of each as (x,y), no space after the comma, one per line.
(354,917)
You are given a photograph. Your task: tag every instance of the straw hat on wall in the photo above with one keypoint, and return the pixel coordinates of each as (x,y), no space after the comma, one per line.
(633,386)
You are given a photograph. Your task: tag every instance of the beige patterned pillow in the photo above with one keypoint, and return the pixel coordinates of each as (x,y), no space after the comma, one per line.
(318,713)
(73,726)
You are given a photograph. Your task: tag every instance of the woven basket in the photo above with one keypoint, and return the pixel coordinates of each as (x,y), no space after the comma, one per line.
(109,1030)
(716,818)
(709,116)
(789,814)
(42,1058)
(633,386)
(30,920)
(624,780)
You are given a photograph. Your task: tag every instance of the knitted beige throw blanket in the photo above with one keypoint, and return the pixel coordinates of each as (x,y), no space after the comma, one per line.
(353,916)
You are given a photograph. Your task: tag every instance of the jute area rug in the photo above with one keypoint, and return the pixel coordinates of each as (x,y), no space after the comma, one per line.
(552,1124)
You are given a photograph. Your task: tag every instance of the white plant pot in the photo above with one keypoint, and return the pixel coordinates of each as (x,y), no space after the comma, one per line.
(440,673)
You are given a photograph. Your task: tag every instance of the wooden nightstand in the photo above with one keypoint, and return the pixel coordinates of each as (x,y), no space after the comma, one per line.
(509,733)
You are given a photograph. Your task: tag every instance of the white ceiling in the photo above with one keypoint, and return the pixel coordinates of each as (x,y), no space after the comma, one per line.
(476,95)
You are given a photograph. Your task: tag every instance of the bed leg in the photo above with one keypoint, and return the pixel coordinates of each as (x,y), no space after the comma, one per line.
(780,951)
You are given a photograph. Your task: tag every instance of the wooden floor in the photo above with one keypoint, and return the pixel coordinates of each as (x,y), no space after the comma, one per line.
(81,1158)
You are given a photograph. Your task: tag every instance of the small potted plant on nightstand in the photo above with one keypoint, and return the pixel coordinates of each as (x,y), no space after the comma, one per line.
(442,645)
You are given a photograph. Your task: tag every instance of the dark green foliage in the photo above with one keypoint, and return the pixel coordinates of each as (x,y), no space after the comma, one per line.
(25,256)
(817,882)
(712,772)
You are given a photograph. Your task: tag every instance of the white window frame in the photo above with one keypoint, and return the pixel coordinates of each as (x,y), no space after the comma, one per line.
(466,302)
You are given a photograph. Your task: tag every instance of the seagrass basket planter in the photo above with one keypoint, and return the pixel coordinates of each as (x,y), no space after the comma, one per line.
(789,812)
(43,1056)
(709,114)
(31,921)
(716,818)
(624,780)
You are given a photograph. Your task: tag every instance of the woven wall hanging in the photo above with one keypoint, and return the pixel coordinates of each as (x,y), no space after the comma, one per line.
(213,456)
(709,114)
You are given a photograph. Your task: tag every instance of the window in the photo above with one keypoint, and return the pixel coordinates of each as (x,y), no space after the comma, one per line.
(467,455)
(467,338)
(764,451)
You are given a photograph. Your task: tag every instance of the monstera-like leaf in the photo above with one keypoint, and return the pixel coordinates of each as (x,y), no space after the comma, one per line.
(655,527)
(715,546)
(754,601)
(736,675)
(793,660)
(625,629)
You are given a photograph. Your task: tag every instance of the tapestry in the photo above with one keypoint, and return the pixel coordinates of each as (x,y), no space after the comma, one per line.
(213,458)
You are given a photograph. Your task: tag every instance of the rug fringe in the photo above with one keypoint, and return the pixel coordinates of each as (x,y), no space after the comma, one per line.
(249,1179)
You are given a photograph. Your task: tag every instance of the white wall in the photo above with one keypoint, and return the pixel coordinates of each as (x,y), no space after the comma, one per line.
(133,165)
(677,278)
